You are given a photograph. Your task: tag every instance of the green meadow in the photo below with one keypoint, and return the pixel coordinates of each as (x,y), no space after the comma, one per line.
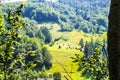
(51,36)
(69,46)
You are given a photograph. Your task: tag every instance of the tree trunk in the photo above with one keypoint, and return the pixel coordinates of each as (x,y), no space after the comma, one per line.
(114,41)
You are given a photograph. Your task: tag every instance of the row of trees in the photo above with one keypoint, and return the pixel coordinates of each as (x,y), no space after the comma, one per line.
(88,47)
(43,33)
(88,17)
(32,31)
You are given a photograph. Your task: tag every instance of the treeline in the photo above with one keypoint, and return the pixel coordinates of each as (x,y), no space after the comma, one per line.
(33,31)
(88,16)
(91,14)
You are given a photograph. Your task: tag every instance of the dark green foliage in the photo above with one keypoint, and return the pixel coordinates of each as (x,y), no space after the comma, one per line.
(34,32)
(38,55)
(81,43)
(46,34)
(59,47)
(52,43)
(43,75)
(9,37)
(57,39)
(40,13)
(94,61)
(30,34)
(40,35)
(88,49)
(104,48)
(89,16)
(20,56)
(46,58)
(34,46)
(93,66)
(71,15)
(57,76)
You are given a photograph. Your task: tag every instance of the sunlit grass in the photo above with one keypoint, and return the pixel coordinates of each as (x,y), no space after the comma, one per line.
(68,48)
(63,56)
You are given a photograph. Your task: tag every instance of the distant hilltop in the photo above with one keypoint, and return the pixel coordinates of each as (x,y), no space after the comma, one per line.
(7,1)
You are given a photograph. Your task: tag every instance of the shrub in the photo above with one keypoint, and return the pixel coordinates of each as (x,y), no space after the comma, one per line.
(57,76)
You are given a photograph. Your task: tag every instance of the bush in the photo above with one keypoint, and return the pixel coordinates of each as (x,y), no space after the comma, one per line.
(57,76)
(52,43)
(43,75)
(59,46)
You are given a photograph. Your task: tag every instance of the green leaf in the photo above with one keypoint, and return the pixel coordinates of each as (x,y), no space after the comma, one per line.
(32,54)
(19,36)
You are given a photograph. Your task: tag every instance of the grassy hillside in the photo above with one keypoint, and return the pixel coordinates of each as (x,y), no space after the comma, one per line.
(61,26)
(69,46)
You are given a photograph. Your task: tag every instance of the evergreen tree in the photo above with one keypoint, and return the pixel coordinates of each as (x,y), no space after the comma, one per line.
(40,35)
(93,66)
(47,34)
(81,43)
(86,52)
(46,58)
(89,48)
(34,46)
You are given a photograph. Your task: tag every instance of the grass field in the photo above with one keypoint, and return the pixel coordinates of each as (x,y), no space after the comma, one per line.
(63,56)
(69,46)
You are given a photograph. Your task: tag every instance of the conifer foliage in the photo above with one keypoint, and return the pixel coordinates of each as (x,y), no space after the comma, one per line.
(93,65)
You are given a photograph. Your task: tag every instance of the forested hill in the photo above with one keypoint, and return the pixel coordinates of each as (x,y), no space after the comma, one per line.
(95,3)
(86,15)
(44,38)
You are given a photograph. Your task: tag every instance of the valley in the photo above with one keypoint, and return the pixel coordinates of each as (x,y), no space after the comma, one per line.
(66,37)
(69,47)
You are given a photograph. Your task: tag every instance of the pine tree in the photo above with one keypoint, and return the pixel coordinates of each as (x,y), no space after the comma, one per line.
(81,43)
